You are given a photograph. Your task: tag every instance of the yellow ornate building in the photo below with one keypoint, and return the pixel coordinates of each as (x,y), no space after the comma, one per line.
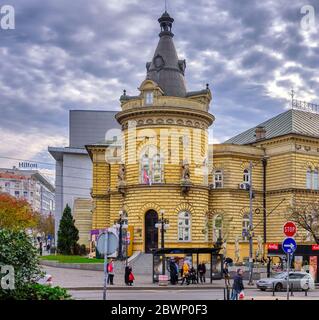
(163,165)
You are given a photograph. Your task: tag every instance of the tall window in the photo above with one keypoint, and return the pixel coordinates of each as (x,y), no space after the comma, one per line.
(245,226)
(151,168)
(149,98)
(312,179)
(218,179)
(217,227)
(246,176)
(184,226)
(315,179)
(309,178)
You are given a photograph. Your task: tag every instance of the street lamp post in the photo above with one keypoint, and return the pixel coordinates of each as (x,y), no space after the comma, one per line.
(121,224)
(251,262)
(163,224)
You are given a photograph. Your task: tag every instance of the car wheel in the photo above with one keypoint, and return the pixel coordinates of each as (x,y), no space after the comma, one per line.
(278,287)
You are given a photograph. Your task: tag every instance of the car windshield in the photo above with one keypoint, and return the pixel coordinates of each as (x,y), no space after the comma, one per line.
(280,275)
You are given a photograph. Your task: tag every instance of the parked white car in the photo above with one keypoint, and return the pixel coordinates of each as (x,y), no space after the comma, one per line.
(297,279)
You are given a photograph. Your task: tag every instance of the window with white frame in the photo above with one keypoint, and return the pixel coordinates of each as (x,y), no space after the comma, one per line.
(217,227)
(315,181)
(218,179)
(184,226)
(149,98)
(309,178)
(151,167)
(246,176)
(245,227)
(312,179)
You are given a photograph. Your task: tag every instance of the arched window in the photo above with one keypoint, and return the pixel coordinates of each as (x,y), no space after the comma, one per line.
(218,179)
(315,179)
(245,227)
(157,169)
(217,227)
(184,226)
(151,167)
(145,169)
(246,176)
(149,98)
(309,178)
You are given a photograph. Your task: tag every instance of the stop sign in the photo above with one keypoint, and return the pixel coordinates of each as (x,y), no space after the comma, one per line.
(290,229)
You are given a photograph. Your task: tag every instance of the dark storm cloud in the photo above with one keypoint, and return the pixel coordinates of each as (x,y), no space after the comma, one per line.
(81,55)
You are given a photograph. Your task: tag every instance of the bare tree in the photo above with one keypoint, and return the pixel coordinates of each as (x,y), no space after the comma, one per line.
(306,217)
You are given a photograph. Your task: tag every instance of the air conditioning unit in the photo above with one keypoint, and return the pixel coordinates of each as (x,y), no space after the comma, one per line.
(244,186)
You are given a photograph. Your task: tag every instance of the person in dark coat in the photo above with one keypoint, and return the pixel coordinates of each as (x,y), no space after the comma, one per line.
(238,284)
(202,272)
(128,270)
(173,272)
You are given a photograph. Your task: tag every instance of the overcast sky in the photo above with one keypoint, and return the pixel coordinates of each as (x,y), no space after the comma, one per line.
(81,54)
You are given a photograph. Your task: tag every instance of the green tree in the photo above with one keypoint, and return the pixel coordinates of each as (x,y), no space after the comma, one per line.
(68,234)
(16,250)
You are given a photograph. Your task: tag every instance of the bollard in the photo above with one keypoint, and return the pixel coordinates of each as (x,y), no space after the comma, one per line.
(273,289)
(228,293)
(224,293)
(306,292)
(292,290)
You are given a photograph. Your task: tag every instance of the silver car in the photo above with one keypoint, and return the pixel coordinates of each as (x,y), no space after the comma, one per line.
(297,279)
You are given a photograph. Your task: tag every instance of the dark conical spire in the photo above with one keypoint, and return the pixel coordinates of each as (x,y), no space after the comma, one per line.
(166,69)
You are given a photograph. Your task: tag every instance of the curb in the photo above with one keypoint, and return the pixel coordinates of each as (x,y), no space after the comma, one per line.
(147,288)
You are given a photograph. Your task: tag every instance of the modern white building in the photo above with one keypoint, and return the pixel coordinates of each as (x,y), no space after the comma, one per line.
(73,172)
(30,185)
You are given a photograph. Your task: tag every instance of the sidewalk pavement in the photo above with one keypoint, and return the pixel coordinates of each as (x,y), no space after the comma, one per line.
(93,280)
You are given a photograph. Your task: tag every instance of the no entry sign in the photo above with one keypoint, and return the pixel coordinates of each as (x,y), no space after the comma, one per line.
(290,229)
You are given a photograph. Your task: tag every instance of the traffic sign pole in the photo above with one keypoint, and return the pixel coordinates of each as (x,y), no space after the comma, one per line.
(288,271)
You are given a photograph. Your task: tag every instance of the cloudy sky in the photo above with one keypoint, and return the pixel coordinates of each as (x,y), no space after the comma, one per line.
(81,54)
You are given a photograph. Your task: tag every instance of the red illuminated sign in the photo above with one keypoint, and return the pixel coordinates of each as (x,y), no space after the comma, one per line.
(315,247)
(273,246)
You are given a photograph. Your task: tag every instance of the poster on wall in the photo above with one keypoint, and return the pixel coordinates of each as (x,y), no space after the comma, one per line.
(298,263)
(313,265)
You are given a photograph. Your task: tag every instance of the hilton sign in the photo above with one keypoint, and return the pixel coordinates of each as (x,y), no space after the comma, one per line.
(28,165)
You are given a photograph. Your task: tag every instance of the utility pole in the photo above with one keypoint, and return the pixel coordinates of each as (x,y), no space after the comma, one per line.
(251,262)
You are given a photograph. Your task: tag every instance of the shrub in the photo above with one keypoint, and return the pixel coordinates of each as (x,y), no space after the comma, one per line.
(35,292)
(16,250)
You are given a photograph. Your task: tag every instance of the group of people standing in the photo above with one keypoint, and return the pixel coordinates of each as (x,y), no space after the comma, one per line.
(188,273)
(128,275)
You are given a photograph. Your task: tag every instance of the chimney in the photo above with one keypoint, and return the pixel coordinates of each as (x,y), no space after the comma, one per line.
(260,133)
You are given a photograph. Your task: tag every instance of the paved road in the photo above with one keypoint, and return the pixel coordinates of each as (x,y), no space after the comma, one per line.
(215,294)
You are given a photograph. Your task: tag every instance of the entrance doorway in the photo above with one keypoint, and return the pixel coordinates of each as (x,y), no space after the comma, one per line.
(151,232)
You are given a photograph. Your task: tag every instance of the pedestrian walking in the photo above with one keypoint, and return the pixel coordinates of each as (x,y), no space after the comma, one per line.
(131,278)
(128,270)
(40,248)
(110,272)
(185,275)
(238,286)
(226,273)
(172,271)
(202,272)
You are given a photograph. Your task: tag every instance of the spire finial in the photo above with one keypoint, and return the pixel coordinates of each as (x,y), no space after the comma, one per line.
(166,23)
(165,5)
(292,94)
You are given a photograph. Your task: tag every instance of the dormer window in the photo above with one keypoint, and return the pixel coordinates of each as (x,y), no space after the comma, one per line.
(149,98)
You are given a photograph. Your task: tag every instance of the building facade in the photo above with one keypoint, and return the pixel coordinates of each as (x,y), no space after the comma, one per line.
(30,185)
(164,167)
(73,170)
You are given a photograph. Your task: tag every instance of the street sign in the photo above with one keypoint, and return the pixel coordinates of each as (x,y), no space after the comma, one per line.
(289,245)
(289,229)
(273,246)
(112,243)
